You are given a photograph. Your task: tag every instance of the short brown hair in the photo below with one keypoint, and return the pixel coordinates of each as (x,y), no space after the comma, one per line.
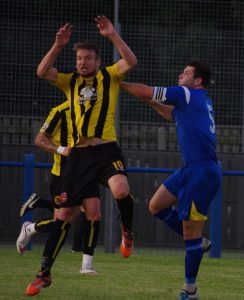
(87,46)
(202,70)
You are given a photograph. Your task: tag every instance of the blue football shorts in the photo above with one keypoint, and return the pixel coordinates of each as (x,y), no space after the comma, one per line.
(195,187)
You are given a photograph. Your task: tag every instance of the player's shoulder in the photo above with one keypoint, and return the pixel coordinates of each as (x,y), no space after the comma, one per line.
(111,69)
(66,77)
(181,90)
(59,108)
(67,73)
(180,94)
(196,93)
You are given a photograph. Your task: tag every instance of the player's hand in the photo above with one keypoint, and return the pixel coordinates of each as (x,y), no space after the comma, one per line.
(63,35)
(104,25)
(67,151)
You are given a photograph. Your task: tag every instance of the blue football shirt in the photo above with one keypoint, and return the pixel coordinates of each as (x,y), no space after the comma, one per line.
(194,117)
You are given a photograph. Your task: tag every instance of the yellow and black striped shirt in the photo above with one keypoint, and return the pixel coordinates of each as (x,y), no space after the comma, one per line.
(92,102)
(58,126)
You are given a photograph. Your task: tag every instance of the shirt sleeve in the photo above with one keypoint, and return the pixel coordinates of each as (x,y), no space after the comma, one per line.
(63,82)
(175,95)
(179,96)
(113,71)
(51,122)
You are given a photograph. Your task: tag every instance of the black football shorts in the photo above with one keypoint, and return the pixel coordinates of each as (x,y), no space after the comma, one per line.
(86,167)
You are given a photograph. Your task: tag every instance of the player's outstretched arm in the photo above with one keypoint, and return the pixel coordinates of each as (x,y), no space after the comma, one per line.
(129,60)
(139,90)
(163,109)
(45,69)
(145,93)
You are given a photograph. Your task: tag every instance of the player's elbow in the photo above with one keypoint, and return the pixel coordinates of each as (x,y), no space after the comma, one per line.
(39,139)
(146,99)
(133,63)
(40,73)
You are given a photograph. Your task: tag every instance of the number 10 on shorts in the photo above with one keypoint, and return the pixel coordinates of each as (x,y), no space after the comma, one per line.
(118,165)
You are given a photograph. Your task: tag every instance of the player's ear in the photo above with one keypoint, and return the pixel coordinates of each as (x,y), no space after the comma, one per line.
(198,81)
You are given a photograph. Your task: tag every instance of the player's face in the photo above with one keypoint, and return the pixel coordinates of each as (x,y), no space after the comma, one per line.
(87,63)
(186,78)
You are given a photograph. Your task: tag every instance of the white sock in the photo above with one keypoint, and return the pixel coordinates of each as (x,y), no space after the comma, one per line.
(87,261)
(30,229)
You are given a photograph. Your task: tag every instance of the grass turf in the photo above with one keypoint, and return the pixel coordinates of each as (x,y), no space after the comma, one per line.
(142,276)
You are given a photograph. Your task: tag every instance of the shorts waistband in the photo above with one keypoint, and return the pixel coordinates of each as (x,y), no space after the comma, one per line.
(104,145)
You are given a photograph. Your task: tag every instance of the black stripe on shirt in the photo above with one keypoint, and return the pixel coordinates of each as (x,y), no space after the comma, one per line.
(72,109)
(53,123)
(105,104)
(63,137)
(64,128)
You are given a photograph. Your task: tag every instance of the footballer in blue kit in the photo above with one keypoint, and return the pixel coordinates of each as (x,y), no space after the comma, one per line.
(194,118)
(192,188)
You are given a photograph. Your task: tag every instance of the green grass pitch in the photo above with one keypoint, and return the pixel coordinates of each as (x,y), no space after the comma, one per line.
(144,275)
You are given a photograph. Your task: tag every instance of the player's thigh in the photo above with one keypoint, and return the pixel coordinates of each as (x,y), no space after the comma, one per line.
(113,171)
(162,199)
(55,190)
(198,192)
(55,214)
(92,207)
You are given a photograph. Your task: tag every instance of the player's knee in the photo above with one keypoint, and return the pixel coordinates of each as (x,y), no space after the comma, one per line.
(93,215)
(66,214)
(119,187)
(120,192)
(191,232)
(189,236)
(153,209)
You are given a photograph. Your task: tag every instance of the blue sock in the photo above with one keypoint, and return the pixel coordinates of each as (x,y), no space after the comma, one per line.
(192,259)
(170,217)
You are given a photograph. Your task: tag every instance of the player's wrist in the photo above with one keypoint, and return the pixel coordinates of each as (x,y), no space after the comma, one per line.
(60,150)
(57,48)
(113,36)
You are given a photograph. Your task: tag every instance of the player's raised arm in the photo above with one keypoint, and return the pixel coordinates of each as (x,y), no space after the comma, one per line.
(128,60)
(45,69)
